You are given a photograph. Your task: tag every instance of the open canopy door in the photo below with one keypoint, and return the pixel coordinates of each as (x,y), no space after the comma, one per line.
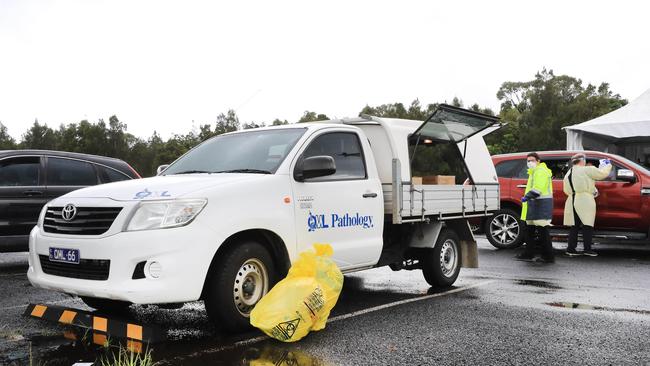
(464,129)
(452,124)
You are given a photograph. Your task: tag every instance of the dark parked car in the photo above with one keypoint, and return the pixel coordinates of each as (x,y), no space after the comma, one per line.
(623,201)
(30,178)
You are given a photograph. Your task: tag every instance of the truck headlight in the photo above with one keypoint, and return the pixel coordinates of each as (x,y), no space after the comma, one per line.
(41,217)
(165,214)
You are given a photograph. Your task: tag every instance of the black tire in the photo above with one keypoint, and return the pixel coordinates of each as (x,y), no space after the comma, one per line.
(244,263)
(504,230)
(437,266)
(107,305)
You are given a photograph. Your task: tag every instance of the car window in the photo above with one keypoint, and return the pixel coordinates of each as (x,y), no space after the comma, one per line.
(345,149)
(111,175)
(20,171)
(559,167)
(68,172)
(505,168)
(612,175)
(522,171)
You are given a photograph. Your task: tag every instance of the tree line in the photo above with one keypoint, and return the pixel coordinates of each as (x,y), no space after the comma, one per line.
(534,112)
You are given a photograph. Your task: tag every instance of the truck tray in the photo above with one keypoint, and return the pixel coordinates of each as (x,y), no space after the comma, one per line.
(426,202)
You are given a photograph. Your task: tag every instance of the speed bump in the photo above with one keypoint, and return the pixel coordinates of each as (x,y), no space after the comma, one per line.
(102,325)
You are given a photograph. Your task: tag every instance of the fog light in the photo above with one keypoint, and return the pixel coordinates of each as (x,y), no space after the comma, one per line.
(155,269)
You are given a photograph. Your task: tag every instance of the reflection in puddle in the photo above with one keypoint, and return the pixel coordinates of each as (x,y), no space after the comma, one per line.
(283,357)
(574,305)
(270,353)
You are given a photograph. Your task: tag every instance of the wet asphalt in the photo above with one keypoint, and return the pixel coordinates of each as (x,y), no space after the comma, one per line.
(590,311)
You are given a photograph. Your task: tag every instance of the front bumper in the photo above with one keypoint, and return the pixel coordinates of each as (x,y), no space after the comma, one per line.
(184,255)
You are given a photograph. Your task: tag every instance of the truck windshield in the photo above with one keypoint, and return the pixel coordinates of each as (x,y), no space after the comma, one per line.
(259,152)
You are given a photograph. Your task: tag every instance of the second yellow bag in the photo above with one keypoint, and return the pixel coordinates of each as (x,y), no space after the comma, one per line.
(302,301)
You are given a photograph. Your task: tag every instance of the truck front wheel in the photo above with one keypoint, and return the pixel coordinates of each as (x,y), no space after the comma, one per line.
(441,264)
(240,278)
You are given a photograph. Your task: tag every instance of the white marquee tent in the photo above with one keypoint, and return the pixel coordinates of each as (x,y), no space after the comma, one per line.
(625,131)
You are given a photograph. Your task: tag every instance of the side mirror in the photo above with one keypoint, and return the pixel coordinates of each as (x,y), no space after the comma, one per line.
(625,175)
(314,167)
(161,168)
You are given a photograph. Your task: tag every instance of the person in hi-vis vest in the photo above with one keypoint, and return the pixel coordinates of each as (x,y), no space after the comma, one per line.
(580,206)
(537,210)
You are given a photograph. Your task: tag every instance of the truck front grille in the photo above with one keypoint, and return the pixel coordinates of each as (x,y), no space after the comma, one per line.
(87,221)
(87,269)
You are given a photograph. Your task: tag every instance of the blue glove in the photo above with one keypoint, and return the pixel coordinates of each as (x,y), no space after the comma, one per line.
(524,199)
(604,162)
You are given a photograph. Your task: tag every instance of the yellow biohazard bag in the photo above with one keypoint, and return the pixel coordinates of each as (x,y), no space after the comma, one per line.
(302,301)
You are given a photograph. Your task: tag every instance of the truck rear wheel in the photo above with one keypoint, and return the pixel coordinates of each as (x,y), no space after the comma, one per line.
(504,230)
(240,278)
(107,305)
(441,264)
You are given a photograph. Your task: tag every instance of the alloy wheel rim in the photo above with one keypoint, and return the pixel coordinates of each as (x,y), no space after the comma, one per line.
(251,284)
(504,228)
(448,258)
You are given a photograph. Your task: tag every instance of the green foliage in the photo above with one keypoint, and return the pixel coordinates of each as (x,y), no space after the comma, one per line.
(39,137)
(126,357)
(538,109)
(312,116)
(278,122)
(6,141)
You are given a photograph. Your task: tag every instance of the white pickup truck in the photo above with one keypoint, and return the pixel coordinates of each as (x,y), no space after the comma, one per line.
(224,222)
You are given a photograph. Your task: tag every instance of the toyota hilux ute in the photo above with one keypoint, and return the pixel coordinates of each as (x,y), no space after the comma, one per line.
(223,223)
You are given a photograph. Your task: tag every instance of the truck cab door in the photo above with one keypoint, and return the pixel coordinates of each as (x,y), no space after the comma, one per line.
(344,209)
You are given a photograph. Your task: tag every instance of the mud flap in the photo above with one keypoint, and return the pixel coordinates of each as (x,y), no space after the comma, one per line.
(468,247)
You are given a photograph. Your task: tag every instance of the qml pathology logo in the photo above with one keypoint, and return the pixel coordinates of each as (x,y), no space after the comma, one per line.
(323,221)
(150,194)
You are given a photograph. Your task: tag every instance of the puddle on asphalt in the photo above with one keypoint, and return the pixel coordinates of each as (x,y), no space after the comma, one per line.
(539,284)
(578,306)
(76,345)
(265,353)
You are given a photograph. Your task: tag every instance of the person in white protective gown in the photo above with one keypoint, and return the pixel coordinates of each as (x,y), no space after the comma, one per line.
(580,206)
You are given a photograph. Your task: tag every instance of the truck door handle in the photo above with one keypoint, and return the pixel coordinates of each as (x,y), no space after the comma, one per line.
(369,195)
(521,186)
(33,193)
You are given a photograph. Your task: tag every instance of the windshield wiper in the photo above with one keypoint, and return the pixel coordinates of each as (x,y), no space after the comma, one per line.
(191,172)
(256,171)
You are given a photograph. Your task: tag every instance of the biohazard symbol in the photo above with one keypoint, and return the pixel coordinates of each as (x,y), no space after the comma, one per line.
(287,329)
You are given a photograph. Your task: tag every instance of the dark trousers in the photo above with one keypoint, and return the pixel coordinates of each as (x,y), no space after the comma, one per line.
(538,239)
(587,233)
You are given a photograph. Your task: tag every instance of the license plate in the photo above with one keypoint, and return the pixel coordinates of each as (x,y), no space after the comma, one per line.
(64,255)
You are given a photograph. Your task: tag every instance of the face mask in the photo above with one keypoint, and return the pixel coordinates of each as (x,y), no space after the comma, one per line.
(531,164)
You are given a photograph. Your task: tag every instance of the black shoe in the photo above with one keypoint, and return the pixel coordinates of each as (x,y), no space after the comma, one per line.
(524,257)
(590,253)
(572,253)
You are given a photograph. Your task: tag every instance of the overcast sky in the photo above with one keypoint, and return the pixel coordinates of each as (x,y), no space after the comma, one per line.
(160,65)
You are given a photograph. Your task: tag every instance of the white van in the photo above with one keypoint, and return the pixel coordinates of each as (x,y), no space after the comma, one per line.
(224,221)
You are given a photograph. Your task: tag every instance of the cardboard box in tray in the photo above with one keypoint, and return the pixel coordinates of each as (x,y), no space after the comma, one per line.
(448,180)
